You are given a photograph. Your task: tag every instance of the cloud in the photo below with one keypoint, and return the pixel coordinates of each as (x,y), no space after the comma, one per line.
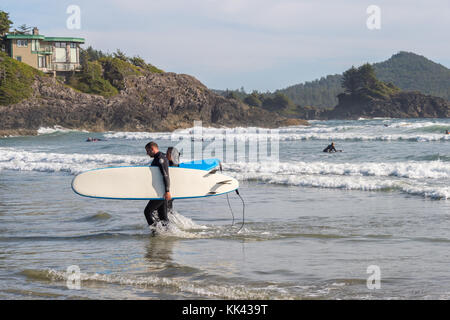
(261,44)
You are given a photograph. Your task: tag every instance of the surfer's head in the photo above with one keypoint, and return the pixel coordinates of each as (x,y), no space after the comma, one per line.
(152,148)
(173,155)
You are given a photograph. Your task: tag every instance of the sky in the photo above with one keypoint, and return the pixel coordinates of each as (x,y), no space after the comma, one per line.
(256,44)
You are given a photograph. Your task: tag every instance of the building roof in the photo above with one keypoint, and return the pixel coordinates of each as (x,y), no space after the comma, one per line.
(41,37)
(64,39)
(25,36)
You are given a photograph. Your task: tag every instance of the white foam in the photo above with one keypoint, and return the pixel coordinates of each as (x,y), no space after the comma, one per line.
(20,160)
(178,227)
(50,130)
(410,177)
(353,183)
(370,131)
(429,179)
(409,169)
(200,288)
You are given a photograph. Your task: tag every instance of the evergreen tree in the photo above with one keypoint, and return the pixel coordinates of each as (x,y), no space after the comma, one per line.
(5,23)
(349,80)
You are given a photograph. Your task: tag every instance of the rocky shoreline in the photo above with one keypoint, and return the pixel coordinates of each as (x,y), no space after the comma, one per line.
(405,104)
(154,102)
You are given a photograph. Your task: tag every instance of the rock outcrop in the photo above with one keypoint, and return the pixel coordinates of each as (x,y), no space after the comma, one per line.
(154,102)
(404,104)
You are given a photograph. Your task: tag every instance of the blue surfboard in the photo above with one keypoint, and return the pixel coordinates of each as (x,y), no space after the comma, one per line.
(204,164)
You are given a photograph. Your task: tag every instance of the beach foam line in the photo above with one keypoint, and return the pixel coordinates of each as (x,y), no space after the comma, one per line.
(427,179)
(180,285)
(14,159)
(409,169)
(20,160)
(54,129)
(351,183)
(338,133)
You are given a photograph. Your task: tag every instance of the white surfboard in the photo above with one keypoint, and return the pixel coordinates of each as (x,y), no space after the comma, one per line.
(146,183)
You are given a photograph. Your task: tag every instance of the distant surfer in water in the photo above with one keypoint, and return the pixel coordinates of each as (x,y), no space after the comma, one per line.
(446,132)
(93,139)
(160,160)
(330,148)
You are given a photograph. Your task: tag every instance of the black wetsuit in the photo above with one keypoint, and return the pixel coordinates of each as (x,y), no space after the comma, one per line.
(330,148)
(161,161)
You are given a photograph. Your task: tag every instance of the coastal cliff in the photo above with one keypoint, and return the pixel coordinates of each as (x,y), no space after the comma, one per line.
(148,102)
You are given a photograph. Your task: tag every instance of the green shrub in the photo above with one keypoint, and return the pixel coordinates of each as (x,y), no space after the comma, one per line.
(116,70)
(16,79)
(90,80)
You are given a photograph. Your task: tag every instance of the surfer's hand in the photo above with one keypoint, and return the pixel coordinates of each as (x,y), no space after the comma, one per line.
(167,196)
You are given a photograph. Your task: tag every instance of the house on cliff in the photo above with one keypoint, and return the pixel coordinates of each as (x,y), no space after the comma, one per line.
(57,55)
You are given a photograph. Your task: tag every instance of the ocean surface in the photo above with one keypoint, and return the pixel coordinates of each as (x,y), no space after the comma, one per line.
(317,225)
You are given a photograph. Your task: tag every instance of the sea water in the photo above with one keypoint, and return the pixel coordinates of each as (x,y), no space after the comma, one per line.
(317,224)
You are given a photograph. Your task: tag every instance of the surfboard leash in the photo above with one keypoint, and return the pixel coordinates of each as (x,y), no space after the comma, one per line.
(228,199)
(229,205)
(243,210)
(231,210)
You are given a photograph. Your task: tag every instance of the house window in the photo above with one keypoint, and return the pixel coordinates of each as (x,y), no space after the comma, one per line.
(19,58)
(41,62)
(60,44)
(35,45)
(22,43)
(73,45)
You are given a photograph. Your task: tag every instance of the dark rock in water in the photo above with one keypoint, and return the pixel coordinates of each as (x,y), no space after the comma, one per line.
(154,102)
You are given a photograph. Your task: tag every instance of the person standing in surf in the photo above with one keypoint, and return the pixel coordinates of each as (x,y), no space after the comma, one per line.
(159,160)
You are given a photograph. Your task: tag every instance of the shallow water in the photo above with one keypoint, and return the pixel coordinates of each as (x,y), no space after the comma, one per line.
(314,222)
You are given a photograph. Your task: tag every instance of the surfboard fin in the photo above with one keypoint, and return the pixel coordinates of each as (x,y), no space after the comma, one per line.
(212,192)
(224,182)
(213,171)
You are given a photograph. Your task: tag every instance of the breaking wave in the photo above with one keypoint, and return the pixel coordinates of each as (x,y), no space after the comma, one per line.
(425,178)
(409,177)
(181,285)
(371,131)
(13,159)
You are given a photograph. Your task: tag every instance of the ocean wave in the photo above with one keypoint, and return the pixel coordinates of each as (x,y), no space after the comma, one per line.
(13,159)
(413,177)
(410,177)
(55,129)
(319,132)
(180,285)
(418,125)
(352,183)
(409,169)
(20,160)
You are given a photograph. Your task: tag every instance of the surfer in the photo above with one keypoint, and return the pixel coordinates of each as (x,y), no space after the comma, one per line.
(90,139)
(173,155)
(159,160)
(446,132)
(330,148)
